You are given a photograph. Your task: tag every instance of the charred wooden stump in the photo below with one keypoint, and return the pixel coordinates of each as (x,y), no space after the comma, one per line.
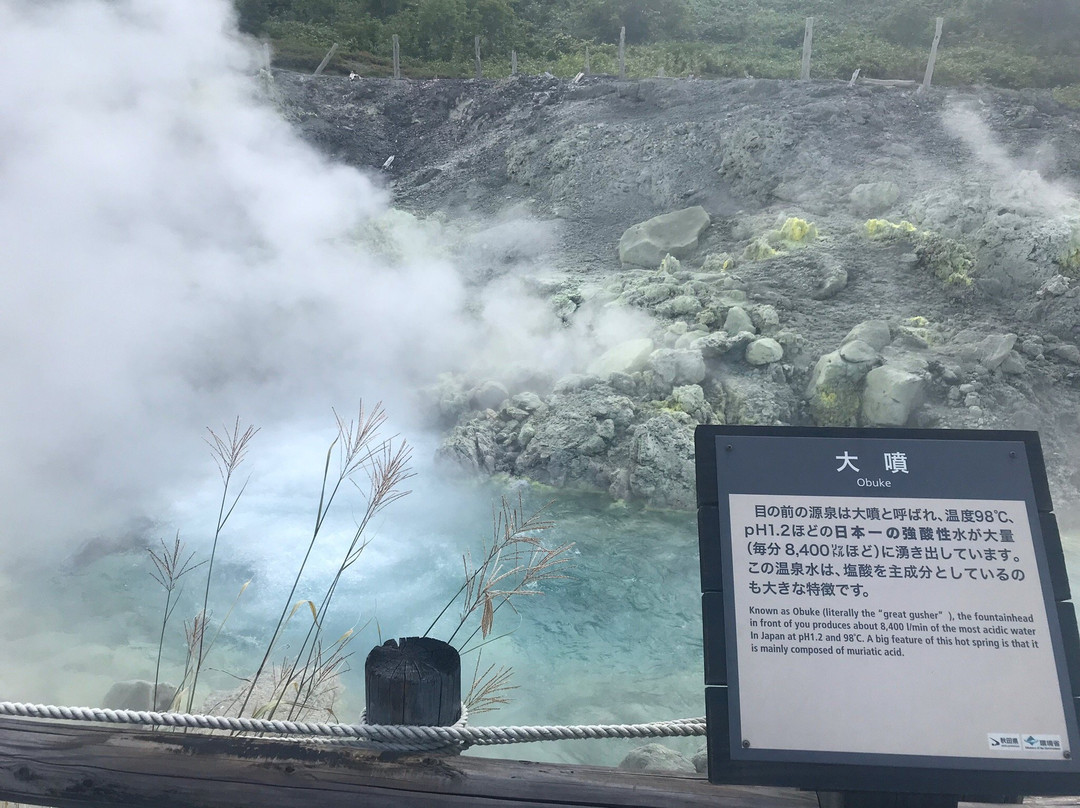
(413,681)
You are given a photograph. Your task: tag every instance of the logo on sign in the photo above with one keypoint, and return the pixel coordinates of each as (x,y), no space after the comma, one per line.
(1004,741)
(1042,743)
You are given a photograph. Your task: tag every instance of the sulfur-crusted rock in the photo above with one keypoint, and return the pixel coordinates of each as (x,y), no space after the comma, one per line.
(645,244)
(834,389)
(874,333)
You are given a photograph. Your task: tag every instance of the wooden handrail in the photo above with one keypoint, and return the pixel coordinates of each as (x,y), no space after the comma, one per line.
(67,764)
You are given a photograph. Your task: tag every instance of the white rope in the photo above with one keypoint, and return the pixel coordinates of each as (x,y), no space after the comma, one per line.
(390,736)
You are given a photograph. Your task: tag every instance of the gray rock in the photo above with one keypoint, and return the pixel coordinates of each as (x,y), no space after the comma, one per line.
(1070,353)
(674,366)
(738,320)
(138,694)
(661,463)
(764,351)
(691,399)
(834,282)
(993,350)
(530,402)
(858,351)
(834,390)
(656,758)
(645,244)
(681,306)
(688,339)
(890,395)
(874,333)
(489,395)
(719,343)
(766,318)
(575,381)
(701,760)
(1013,364)
(874,197)
(626,357)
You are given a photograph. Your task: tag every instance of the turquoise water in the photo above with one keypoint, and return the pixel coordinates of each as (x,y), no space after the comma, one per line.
(617,640)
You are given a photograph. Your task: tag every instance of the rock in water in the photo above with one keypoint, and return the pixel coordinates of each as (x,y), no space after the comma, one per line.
(137,694)
(656,758)
(645,244)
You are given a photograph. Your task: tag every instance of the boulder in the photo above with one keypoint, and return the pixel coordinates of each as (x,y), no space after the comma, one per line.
(656,758)
(645,244)
(738,320)
(874,333)
(673,366)
(138,694)
(873,198)
(691,399)
(764,351)
(890,395)
(626,357)
(661,466)
(994,349)
(858,351)
(489,395)
(834,389)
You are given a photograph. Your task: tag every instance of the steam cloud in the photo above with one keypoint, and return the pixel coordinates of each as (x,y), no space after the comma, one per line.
(173,255)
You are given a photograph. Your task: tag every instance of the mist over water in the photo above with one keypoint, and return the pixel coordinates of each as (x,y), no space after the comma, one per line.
(174,255)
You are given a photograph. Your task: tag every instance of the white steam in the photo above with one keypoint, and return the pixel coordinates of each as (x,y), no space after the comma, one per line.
(1015,184)
(174,255)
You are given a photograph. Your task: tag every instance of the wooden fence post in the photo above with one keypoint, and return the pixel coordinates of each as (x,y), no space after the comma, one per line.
(807,45)
(622,53)
(479,71)
(397,57)
(413,681)
(588,69)
(326,59)
(933,55)
(513,63)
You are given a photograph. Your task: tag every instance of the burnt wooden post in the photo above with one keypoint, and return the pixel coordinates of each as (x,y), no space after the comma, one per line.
(479,68)
(513,63)
(588,67)
(397,57)
(413,681)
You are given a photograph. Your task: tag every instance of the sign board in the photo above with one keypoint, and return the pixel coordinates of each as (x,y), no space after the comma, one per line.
(885,610)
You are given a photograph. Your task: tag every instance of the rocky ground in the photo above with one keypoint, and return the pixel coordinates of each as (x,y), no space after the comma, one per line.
(837,256)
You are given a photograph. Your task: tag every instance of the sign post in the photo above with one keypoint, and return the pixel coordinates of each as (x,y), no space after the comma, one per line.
(885,611)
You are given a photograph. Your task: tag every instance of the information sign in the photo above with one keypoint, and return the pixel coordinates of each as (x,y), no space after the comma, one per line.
(885,609)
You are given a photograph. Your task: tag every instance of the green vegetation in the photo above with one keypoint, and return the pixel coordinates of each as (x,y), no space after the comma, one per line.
(1000,42)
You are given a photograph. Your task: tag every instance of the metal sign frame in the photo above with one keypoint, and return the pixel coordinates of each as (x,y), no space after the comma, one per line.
(750,460)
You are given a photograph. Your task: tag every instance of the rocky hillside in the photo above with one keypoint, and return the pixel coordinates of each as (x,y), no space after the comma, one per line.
(824,254)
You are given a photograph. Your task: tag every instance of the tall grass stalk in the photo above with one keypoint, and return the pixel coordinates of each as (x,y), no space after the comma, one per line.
(359,447)
(514,564)
(228,451)
(169,567)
